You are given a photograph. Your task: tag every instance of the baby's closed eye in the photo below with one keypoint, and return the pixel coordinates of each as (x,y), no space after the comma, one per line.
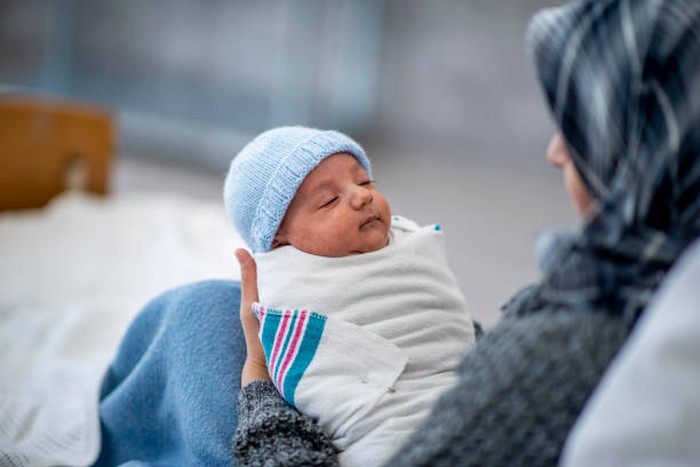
(327,202)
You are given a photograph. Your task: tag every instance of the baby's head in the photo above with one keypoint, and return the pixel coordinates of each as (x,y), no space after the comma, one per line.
(308,188)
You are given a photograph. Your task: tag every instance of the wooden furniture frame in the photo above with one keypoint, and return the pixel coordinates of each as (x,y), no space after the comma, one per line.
(48,146)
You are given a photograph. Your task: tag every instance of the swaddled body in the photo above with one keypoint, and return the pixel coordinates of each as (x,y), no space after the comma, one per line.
(364,343)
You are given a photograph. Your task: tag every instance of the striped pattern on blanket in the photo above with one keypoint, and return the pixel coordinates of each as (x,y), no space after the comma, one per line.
(290,339)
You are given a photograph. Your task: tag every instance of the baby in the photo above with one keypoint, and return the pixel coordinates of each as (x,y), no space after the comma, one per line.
(362,321)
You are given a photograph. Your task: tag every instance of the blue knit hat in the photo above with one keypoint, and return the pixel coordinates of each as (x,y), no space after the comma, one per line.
(266,174)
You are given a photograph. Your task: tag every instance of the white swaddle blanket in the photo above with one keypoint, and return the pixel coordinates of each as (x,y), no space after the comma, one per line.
(366,343)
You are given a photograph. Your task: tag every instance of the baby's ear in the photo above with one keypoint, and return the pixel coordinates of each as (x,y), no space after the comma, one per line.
(278,241)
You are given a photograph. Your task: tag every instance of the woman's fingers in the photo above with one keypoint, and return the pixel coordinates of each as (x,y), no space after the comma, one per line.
(255,368)
(249,294)
(249,276)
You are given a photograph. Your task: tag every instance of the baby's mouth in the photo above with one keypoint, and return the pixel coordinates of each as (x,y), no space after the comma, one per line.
(370,220)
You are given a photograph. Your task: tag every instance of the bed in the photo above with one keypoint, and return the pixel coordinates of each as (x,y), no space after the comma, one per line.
(77,264)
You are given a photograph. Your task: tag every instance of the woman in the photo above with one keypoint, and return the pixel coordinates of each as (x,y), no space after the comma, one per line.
(622,79)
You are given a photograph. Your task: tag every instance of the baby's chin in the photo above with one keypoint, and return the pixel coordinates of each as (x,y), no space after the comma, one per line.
(372,246)
(370,243)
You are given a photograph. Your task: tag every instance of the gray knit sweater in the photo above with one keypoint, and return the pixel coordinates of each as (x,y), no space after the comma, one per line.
(520,392)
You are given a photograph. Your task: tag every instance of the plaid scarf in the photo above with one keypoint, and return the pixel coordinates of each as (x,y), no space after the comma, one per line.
(622,80)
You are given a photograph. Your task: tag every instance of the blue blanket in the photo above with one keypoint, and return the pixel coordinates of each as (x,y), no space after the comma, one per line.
(169,397)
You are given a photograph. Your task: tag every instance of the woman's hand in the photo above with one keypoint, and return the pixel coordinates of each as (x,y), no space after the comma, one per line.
(255,367)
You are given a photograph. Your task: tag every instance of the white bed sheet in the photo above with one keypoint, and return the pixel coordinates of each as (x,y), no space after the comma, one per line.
(72,276)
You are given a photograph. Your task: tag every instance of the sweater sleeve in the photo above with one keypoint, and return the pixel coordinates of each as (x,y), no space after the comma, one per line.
(273,433)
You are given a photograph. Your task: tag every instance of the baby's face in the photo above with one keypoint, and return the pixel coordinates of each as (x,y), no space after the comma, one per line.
(337,211)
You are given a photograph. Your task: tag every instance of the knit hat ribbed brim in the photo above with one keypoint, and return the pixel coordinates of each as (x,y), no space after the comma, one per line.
(266,174)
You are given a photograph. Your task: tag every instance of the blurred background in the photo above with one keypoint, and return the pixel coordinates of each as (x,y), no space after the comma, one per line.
(442,95)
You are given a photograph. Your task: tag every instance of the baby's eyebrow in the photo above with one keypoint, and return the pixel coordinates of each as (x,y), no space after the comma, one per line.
(359,169)
(323,185)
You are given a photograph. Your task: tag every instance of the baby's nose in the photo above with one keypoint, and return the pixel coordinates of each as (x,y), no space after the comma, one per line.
(362,196)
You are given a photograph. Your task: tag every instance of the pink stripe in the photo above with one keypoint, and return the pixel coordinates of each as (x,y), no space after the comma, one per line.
(292,347)
(260,312)
(279,340)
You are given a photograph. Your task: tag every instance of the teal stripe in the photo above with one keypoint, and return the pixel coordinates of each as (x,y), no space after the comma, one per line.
(307,350)
(271,322)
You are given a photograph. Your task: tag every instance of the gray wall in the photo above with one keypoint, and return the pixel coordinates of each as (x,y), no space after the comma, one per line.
(456,79)
(195,79)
